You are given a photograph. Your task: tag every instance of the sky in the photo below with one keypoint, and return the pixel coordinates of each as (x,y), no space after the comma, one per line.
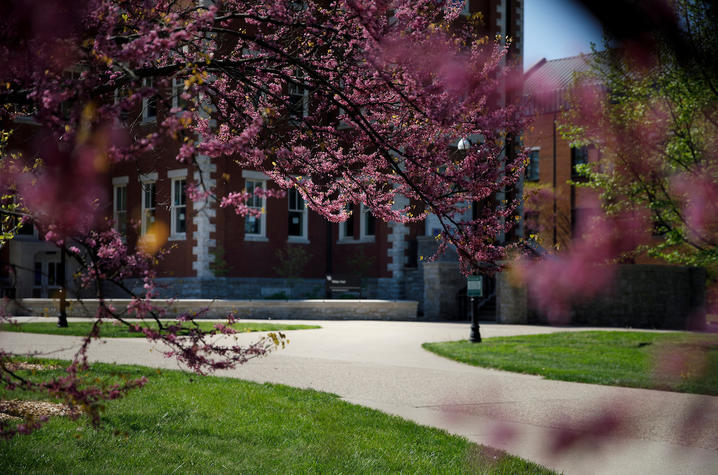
(556,29)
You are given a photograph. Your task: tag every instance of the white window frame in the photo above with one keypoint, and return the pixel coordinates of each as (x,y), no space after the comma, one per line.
(304,94)
(146,117)
(177,90)
(119,120)
(145,180)
(304,237)
(365,213)
(257,177)
(117,183)
(176,177)
(343,236)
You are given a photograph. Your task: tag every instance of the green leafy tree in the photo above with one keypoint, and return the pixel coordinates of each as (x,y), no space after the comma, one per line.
(653,114)
(13,215)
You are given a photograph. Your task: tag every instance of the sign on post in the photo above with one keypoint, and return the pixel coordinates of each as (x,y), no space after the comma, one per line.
(475,286)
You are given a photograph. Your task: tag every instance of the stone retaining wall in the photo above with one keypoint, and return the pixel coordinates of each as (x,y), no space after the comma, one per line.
(260,309)
(639,296)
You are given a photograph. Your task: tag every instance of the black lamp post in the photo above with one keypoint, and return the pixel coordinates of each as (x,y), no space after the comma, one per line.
(62,318)
(474,288)
(474,284)
(475,336)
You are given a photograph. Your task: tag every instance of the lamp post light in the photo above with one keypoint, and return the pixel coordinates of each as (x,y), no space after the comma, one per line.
(474,283)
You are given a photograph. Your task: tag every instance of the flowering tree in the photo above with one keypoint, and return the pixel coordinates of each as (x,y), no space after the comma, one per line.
(349,102)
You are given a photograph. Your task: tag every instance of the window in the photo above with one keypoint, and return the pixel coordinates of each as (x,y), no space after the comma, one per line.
(27,229)
(54,274)
(298,5)
(297,229)
(579,156)
(368,223)
(119,207)
(532,168)
(121,96)
(255,226)
(179,208)
(531,223)
(149,104)
(298,98)
(149,203)
(346,229)
(178,102)
(48,275)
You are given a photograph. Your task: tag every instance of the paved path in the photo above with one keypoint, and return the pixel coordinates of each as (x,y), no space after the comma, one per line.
(382,365)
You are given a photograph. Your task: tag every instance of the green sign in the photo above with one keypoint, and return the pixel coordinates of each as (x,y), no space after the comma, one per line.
(475,286)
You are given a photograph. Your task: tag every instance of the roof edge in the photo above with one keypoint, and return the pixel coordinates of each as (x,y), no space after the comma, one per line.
(534,68)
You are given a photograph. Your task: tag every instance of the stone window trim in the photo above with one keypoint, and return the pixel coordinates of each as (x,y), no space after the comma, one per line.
(149,177)
(178,178)
(120,180)
(255,175)
(178,173)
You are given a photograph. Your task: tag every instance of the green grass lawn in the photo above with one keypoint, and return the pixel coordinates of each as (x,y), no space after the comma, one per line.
(685,362)
(111,330)
(182,423)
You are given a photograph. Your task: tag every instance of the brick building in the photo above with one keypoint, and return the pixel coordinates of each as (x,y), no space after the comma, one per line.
(216,254)
(558,206)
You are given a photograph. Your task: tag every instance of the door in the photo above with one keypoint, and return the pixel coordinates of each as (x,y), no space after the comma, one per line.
(48,275)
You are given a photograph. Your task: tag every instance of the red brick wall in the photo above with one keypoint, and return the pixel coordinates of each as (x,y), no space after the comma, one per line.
(541,134)
(179,260)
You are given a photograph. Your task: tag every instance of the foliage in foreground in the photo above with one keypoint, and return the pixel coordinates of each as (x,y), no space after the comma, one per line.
(111,330)
(184,423)
(347,102)
(684,362)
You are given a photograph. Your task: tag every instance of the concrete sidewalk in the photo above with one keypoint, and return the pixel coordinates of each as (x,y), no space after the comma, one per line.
(382,365)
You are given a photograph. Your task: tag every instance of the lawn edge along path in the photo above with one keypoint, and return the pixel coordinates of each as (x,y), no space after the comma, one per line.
(111,330)
(673,361)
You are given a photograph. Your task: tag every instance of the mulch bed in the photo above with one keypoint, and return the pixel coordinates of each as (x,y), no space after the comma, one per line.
(23,366)
(33,409)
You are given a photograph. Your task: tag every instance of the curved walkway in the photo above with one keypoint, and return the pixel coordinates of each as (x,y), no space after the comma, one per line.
(606,430)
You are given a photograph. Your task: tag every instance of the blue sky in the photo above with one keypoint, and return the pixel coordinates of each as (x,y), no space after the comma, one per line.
(556,29)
